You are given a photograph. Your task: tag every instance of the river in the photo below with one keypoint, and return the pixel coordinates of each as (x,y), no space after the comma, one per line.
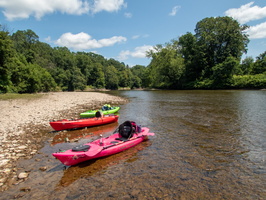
(207,145)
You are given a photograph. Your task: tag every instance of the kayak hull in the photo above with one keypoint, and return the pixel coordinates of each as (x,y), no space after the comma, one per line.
(91,113)
(107,146)
(66,124)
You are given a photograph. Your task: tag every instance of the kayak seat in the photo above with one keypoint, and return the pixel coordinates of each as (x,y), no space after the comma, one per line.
(122,139)
(81,148)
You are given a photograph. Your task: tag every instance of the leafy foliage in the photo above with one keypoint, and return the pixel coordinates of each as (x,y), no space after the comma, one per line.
(257,81)
(208,59)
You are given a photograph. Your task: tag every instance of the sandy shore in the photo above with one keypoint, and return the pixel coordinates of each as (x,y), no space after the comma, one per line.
(22,120)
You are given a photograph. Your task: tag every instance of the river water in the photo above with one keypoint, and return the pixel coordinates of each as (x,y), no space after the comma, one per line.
(207,145)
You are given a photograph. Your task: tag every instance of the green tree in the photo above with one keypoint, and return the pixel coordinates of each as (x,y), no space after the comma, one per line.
(43,55)
(65,64)
(260,64)
(188,49)
(7,53)
(84,63)
(63,58)
(118,65)
(96,78)
(223,72)
(111,78)
(24,42)
(167,67)
(47,81)
(217,39)
(246,66)
(139,73)
(136,82)
(78,81)
(61,77)
(125,77)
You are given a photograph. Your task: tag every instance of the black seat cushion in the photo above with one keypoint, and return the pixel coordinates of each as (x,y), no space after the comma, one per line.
(81,148)
(122,139)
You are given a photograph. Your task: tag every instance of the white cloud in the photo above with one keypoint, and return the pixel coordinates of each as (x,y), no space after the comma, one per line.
(134,37)
(174,10)
(83,41)
(23,9)
(128,15)
(108,5)
(139,52)
(247,13)
(257,32)
(48,39)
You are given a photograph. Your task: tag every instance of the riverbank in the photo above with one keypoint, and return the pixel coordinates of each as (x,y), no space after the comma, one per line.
(24,125)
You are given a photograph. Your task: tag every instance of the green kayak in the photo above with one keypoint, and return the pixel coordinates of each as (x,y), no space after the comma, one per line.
(91,113)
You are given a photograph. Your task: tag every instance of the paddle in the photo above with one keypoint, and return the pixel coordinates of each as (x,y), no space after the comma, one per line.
(152,134)
(94,149)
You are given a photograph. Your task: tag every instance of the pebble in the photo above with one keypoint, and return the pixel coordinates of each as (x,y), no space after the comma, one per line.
(23,175)
(22,147)
(43,168)
(25,189)
(3,162)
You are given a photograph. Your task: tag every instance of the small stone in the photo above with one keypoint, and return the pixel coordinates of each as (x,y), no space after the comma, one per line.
(7,171)
(2,180)
(22,147)
(43,168)
(25,189)
(3,162)
(21,155)
(23,175)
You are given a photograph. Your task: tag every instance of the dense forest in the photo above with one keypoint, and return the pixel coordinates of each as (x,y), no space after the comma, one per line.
(209,59)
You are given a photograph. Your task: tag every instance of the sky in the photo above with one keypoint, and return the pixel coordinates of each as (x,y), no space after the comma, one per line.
(125,29)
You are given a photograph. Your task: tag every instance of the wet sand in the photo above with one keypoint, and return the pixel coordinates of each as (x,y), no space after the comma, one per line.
(24,125)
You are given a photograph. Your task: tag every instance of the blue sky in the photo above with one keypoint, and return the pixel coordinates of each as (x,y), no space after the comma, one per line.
(126,29)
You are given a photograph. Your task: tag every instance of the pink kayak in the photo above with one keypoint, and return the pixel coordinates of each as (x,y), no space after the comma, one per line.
(117,142)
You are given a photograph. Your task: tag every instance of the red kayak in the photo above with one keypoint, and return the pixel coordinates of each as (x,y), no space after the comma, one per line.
(66,124)
(129,135)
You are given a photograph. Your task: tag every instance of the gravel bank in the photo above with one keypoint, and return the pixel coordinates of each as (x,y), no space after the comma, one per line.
(24,124)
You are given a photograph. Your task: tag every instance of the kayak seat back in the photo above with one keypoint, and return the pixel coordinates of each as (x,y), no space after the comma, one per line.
(125,130)
(98,114)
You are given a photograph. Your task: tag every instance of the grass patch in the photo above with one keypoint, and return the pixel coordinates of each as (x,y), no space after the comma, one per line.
(9,96)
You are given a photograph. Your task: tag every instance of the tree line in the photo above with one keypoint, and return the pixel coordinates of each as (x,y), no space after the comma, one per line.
(208,59)
(28,65)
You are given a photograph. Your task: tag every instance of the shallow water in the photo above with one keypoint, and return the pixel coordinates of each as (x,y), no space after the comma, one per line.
(207,145)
